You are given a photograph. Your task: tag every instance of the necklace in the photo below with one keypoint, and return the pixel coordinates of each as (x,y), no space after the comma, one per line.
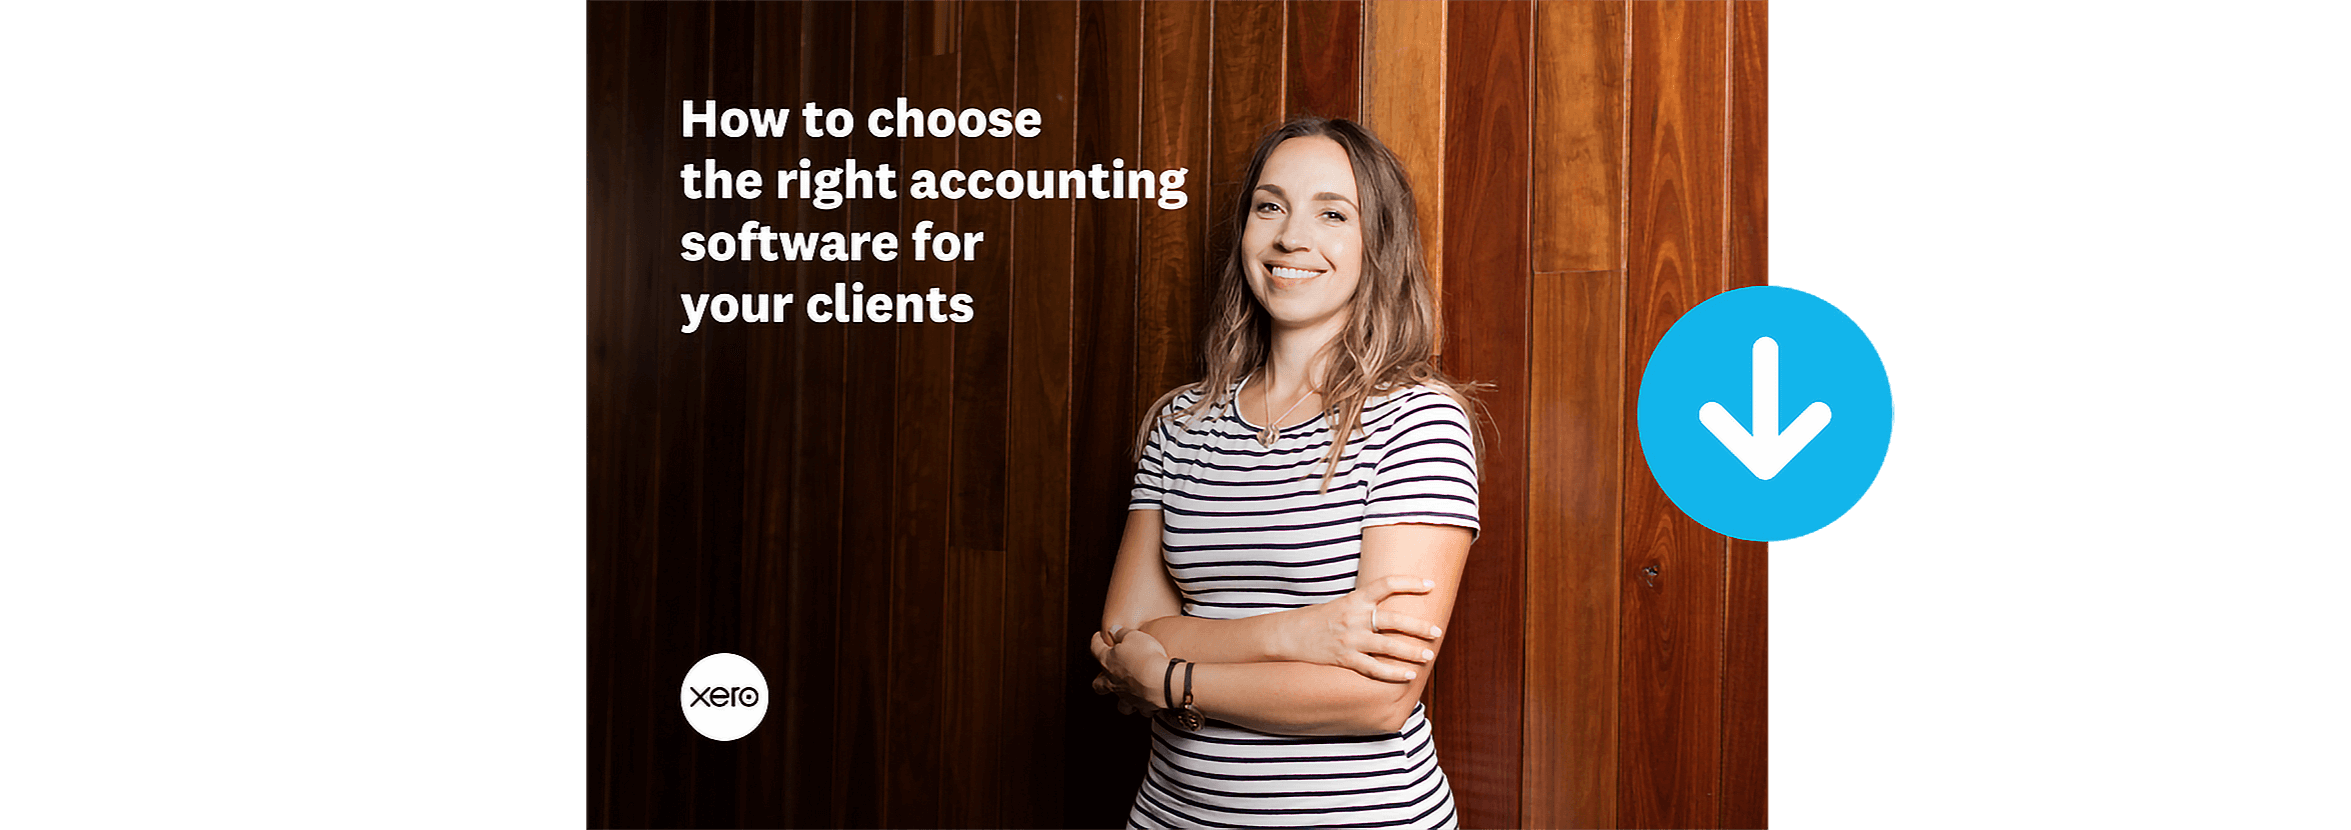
(1272,425)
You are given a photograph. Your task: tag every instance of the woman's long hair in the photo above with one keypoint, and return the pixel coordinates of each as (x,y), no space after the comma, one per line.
(1390,341)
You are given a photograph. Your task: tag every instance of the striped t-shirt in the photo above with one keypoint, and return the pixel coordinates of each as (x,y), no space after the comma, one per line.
(1249,530)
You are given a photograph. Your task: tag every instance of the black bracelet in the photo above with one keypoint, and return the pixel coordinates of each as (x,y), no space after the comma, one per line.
(1187,716)
(1168,685)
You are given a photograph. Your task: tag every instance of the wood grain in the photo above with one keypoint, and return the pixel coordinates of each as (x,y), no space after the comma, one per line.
(976,519)
(926,367)
(1173,295)
(718,558)
(1669,722)
(870,355)
(1038,631)
(1576,429)
(634,689)
(1404,104)
(679,584)
(1247,78)
(609,209)
(773,380)
(1476,693)
(978,708)
(811,592)
(1104,750)
(1746,715)
(1575,438)
(1579,135)
(1325,37)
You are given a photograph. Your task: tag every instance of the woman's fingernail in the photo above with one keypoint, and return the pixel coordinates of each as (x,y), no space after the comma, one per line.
(1426,654)
(1412,675)
(1436,632)
(1428,583)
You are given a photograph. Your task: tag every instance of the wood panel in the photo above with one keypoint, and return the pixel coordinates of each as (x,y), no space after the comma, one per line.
(1576,431)
(1746,619)
(773,378)
(1173,298)
(926,367)
(718,556)
(1575,437)
(1103,748)
(870,355)
(635,689)
(1670,738)
(608,181)
(1324,38)
(681,579)
(1247,77)
(1579,135)
(988,44)
(811,591)
(1475,697)
(1038,633)
(1404,104)
(977,706)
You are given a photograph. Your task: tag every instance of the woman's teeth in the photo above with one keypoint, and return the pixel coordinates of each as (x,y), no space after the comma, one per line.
(1292,273)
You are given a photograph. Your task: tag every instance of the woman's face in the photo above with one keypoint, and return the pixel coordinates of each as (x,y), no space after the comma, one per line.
(1303,245)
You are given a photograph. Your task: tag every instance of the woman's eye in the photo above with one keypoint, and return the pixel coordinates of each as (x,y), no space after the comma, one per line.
(1263,207)
(1334,216)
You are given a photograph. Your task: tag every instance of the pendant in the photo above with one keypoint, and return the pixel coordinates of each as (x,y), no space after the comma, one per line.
(1266,436)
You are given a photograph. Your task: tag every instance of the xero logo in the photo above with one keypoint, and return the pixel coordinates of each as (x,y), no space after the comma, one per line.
(724,697)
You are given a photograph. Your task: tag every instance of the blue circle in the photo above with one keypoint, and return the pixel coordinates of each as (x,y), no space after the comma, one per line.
(1710,357)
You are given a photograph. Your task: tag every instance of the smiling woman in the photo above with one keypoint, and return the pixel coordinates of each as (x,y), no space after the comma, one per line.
(1280,594)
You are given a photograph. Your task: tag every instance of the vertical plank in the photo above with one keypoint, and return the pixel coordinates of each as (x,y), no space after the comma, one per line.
(612,468)
(772,378)
(1746,667)
(676,620)
(926,365)
(976,714)
(1325,37)
(1106,750)
(1575,428)
(1575,437)
(1037,495)
(1173,297)
(1579,135)
(1246,83)
(646,274)
(976,517)
(1670,738)
(813,496)
(1476,699)
(869,355)
(718,560)
(1404,104)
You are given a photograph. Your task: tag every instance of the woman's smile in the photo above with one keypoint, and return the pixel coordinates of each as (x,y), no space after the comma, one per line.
(1285,276)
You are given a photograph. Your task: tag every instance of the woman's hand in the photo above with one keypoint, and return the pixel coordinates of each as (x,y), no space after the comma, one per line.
(1349,630)
(1133,665)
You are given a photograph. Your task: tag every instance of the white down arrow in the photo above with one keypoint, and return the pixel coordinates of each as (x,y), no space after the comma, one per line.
(1766,450)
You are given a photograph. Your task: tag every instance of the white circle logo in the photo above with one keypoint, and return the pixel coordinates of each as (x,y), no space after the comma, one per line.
(724,697)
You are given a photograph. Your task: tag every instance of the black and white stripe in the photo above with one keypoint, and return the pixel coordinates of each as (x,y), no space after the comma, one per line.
(1250,529)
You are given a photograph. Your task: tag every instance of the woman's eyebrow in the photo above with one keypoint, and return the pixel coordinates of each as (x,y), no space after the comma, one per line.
(1325,196)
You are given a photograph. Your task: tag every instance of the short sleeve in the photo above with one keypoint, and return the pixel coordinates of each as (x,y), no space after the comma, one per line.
(1151,469)
(1425,471)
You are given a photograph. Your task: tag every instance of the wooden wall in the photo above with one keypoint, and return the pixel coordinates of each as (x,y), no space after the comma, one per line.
(909,527)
